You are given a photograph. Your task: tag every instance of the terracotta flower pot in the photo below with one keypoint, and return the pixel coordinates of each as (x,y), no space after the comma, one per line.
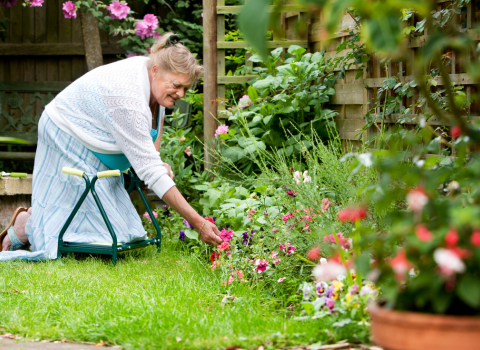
(401,330)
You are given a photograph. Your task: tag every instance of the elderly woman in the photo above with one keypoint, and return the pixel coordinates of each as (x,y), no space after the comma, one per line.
(104,121)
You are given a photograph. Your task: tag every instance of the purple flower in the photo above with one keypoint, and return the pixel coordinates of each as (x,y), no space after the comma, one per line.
(69,10)
(321,288)
(247,238)
(186,223)
(330,291)
(182,236)
(8,3)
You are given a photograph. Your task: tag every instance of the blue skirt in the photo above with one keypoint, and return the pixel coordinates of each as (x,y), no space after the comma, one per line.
(54,195)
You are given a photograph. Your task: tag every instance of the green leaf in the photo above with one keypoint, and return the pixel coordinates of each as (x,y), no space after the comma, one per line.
(309,308)
(233,153)
(468,289)
(384,32)
(267,119)
(253,21)
(252,93)
(391,82)
(192,234)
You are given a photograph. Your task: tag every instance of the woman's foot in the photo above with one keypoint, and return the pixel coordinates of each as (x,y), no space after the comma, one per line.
(19,229)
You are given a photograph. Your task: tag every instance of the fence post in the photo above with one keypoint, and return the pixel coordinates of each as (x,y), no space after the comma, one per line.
(210,76)
(91,40)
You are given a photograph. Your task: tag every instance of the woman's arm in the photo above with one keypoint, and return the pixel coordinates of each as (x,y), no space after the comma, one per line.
(207,231)
(159,137)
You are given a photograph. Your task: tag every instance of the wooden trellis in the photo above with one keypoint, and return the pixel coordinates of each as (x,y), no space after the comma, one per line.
(352,98)
(214,12)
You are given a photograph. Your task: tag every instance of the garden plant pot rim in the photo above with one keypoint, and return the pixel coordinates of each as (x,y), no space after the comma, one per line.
(411,318)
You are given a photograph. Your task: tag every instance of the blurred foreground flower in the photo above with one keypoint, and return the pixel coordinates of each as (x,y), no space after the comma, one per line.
(328,271)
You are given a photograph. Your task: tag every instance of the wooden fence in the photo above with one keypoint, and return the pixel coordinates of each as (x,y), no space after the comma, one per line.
(352,97)
(42,54)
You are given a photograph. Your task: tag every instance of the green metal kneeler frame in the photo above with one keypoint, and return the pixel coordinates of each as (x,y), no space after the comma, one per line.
(105,248)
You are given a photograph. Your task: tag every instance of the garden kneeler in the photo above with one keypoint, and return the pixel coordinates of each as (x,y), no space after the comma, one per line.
(99,247)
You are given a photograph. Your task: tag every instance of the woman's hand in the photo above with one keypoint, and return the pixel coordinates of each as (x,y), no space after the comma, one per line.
(208,233)
(169,169)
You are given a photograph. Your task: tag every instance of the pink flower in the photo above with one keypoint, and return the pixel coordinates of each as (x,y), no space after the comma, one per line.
(224,283)
(118,10)
(222,129)
(188,151)
(417,199)
(244,102)
(276,261)
(306,228)
(142,29)
(423,233)
(182,138)
(36,3)
(240,274)
(352,214)
(400,265)
(328,271)
(8,3)
(69,10)
(456,131)
(291,193)
(215,265)
(157,35)
(273,255)
(273,231)
(326,204)
(262,265)
(313,254)
(286,217)
(448,261)
(342,240)
(451,238)
(287,248)
(281,279)
(146,216)
(223,246)
(226,236)
(475,238)
(231,279)
(151,21)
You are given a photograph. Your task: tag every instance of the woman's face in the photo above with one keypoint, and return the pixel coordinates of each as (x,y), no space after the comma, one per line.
(167,87)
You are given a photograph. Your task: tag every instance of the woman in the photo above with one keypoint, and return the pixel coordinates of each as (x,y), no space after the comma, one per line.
(104,121)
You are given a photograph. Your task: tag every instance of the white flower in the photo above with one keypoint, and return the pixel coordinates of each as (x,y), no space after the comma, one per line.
(323,261)
(365,159)
(341,278)
(306,178)
(328,271)
(417,199)
(448,261)
(297,177)
(307,290)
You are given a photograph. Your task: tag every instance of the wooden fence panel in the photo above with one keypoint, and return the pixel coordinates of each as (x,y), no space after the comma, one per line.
(42,54)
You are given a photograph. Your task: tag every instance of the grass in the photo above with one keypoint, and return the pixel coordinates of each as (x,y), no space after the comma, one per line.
(148,301)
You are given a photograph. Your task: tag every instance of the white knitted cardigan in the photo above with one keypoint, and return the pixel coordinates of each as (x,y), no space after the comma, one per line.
(107,110)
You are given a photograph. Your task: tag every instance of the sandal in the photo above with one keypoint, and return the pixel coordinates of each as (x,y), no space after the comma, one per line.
(9,229)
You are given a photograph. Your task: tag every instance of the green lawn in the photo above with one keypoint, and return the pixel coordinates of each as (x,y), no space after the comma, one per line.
(147,301)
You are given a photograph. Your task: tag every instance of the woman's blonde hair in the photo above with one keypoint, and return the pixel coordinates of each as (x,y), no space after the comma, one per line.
(176,59)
